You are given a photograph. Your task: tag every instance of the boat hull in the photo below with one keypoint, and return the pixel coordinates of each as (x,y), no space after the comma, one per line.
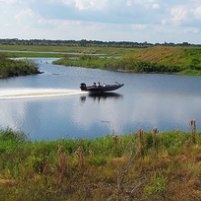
(100,89)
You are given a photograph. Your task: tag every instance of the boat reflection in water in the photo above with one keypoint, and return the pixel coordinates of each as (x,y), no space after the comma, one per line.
(102,96)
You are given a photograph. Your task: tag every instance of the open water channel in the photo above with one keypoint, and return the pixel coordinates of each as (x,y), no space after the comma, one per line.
(51,106)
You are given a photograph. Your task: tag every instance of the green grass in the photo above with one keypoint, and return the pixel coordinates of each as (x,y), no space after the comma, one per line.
(157,59)
(66,49)
(32,55)
(13,68)
(174,60)
(145,167)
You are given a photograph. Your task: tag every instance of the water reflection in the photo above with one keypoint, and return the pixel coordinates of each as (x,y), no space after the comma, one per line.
(100,97)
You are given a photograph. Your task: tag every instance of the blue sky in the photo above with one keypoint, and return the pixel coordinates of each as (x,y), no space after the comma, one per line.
(107,20)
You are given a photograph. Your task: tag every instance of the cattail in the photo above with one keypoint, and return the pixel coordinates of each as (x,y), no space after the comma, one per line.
(192,124)
(154,132)
(140,133)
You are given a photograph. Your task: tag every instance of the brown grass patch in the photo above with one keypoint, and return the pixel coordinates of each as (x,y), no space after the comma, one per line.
(160,54)
(7,182)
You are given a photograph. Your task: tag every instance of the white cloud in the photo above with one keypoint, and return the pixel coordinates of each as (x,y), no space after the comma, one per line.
(197,12)
(68,2)
(8,1)
(191,30)
(24,14)
(179,14)
(87,4)
(101,19)
(138,26)
(155,4)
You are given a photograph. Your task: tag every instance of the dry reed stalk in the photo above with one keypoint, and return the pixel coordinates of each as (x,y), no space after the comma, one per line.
(80,155)
(120,179)
(192,123)
(141,144)
(62,164)
(91,154)
(115,137)
(122,170)
(116,144)
(154,132)
(7,181)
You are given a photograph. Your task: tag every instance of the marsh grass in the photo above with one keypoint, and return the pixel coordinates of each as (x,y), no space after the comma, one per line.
(12,68)
(158,59)
(142,166)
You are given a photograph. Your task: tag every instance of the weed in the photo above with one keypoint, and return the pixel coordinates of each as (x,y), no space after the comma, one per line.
(193,130)
(145,166)
(157,184)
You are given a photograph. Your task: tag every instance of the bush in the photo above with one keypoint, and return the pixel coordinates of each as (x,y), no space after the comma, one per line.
(9,134)
(11,68)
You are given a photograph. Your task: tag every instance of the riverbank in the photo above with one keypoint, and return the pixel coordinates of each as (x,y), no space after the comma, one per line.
(172,60)
(13,68)
(183,60)
(142,166)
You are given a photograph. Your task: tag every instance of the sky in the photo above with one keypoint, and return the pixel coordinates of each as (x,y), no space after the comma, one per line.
(154,21)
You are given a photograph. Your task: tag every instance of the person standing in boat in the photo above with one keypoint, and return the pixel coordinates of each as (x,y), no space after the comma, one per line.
(94,84)
(99,85)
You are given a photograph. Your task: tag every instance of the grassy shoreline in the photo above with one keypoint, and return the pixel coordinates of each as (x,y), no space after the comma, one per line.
(142,166)
(168,60)
(14,68)
(157,59)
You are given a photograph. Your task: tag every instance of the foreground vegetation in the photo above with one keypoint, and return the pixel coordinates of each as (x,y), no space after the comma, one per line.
(12,68)
(141,166)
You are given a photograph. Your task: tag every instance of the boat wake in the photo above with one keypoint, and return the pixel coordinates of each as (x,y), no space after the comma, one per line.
(36,93)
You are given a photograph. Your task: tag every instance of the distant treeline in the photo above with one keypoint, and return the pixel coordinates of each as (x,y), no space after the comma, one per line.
(88,43)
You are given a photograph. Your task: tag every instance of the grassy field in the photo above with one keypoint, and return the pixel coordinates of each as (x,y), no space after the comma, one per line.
(139,166)
(110,51)
(157,59)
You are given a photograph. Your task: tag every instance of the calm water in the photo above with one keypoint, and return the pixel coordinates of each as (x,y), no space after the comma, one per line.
(167,102)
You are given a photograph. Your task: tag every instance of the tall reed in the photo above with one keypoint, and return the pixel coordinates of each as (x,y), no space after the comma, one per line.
(154,132)
(80,155)
(141,142)
(62,164)
(192,124)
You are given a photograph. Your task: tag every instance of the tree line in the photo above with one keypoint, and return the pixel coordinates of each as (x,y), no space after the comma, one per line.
(88,43)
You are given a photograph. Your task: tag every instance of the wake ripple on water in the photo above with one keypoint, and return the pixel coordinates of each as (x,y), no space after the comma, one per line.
(36,93)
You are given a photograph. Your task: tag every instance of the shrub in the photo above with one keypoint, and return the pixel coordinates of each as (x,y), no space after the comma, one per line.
(9,134)
(157,184)
(11,68)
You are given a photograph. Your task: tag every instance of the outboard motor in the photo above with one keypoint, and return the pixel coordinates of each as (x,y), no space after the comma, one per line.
(83,86)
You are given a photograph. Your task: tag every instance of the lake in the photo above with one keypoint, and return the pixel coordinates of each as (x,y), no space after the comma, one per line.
(146,101)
